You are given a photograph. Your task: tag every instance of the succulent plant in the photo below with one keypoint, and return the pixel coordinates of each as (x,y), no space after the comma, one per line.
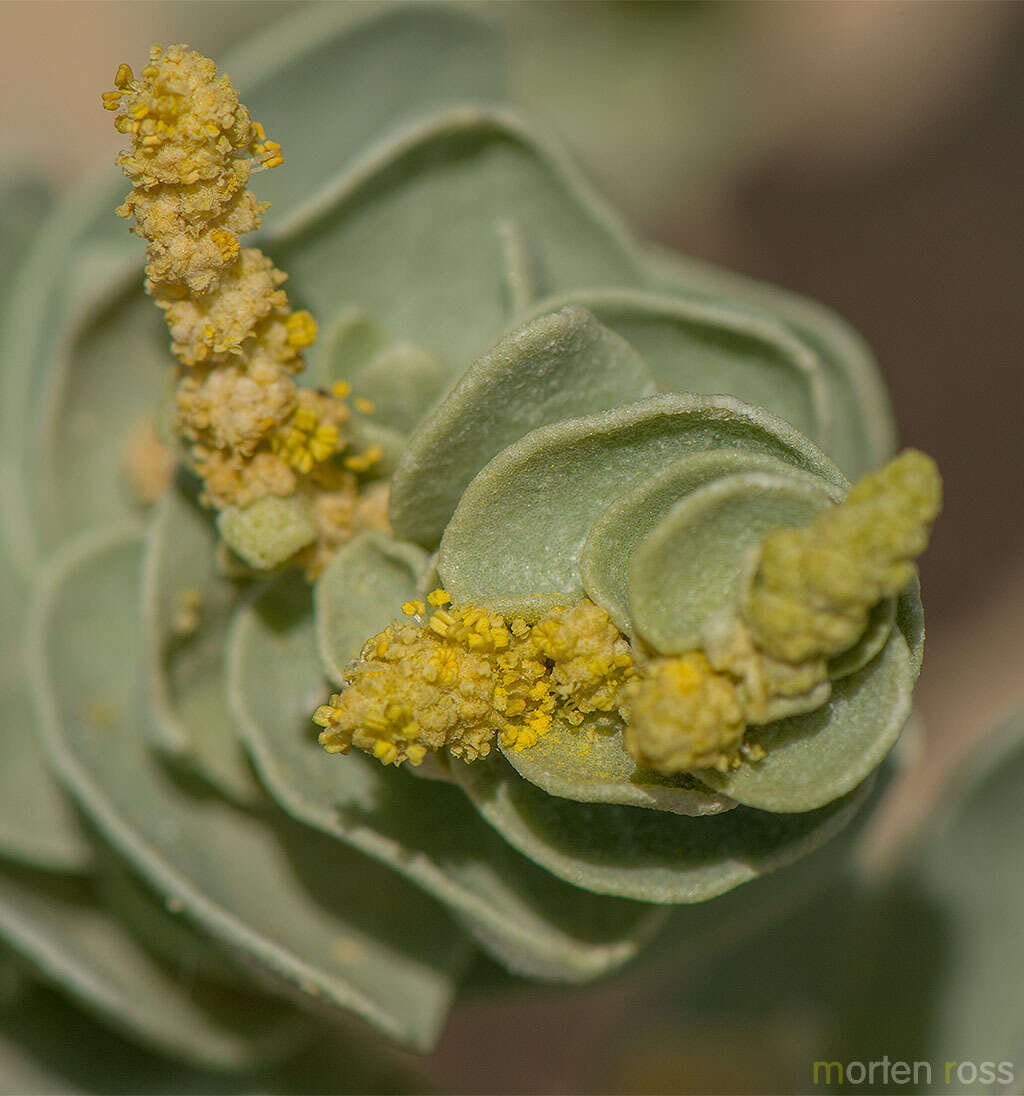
(542,399)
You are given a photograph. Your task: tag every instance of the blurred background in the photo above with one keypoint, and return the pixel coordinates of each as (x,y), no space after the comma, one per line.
(869,155)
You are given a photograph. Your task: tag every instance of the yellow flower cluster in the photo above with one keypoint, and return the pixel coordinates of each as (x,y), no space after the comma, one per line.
(815,586)
(457,678)
(809,600)
(193,146)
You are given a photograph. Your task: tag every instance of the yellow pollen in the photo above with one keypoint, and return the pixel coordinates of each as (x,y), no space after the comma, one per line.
(301,329)
(459,677)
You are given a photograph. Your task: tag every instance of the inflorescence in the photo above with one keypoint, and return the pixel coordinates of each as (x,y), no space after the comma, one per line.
(250,431)
(460,677)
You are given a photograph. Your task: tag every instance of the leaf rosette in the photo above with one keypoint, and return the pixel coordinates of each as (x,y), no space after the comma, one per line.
(548,402)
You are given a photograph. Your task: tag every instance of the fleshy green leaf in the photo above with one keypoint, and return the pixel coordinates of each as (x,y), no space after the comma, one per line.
(879,627)
(568,763)
(641,854)
(360,592)
(693,345)
(402,381)
(690,564)
(37,822)
(863,423)
(328,87)
(105,378)
(187,604)
(616,534)
(74,944)
(508,546)
(534,923)
(812,758)
(910,621)
(307,912)
(560,366)
(937,968)
(352,339)
(408,234)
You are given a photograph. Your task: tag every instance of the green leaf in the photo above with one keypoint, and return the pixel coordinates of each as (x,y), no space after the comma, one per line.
(37,821)
(306,912)
(910,621)
(879,627)
(690,565)
(559,366)
(402,381)
(425,830)
(105,378)
(409,233)
(646,855)
(351,341)
(328,87)
(616,534)
(509,548)
(186,607)
(360,592)
(57,928)
(693,345)
(937,967)
(812,758)
(567,763)
(863,423)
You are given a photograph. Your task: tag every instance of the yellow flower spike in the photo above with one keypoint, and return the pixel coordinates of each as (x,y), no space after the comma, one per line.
(364,406)
(815,586)
(401,691)
(192,147)
(808,601)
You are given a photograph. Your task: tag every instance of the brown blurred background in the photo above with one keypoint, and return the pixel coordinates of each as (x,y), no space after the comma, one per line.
(867,154)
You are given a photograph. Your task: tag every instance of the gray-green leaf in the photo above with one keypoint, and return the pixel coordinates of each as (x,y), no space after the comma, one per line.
(508,546)
(560,366)
(647,855)
(690,565)
(534,923)
(812,758)
(307,912)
